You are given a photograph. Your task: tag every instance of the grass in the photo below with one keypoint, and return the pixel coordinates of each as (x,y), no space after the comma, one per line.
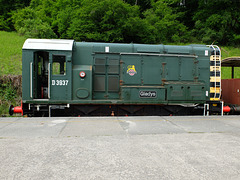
(11,53)
(230,52)
(10,64)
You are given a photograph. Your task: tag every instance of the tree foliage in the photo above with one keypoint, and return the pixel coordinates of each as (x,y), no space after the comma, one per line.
(163,20)
(145,21)
(7,8)
(108,21)
(218,21)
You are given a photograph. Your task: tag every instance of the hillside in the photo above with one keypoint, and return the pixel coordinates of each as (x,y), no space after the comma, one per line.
(11,53)
(10,70)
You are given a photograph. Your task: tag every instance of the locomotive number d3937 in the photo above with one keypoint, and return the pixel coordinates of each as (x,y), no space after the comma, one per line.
(59,82)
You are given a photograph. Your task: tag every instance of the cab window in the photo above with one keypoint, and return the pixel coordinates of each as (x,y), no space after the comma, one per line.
(59,65)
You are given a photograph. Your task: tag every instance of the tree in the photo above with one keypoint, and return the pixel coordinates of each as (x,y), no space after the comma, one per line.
(32,23)
(6,10)
(108,21)
(145,21)
(163,21)
(213,23)
(143,4)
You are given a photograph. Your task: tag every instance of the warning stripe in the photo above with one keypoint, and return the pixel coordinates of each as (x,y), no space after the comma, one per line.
(215,68)
(214,99)
(215,79)
(213,89)
(212,58)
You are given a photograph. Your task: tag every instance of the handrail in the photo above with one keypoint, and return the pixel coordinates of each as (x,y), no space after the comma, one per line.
(164,55)
(49,83)
(31,79)
(215,48)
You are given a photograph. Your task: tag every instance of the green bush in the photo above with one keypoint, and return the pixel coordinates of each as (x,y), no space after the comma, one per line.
(10,92)
(30,23)
(8,96)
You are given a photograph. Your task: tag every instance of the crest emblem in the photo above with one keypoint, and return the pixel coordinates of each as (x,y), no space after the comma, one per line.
(131,70)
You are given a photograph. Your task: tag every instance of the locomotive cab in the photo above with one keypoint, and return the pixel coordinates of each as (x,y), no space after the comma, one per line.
(46,73)
(47,69)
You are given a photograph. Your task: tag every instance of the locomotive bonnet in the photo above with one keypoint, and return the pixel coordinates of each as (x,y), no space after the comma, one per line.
(68,78)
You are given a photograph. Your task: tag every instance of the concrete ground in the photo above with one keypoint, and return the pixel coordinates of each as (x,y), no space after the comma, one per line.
(120,148)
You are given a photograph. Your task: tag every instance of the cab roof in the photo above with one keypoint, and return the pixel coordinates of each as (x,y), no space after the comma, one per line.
(48,44)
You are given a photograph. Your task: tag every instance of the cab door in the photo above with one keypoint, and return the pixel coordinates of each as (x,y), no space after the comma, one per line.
(60,79)
(39,75)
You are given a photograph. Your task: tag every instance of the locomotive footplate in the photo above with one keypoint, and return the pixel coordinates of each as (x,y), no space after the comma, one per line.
(42,110)
(77,110)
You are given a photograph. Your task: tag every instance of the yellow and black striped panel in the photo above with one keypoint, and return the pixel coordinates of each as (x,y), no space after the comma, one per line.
(215,89)
(213,58)
(213,68)
(215,77)
(214,96)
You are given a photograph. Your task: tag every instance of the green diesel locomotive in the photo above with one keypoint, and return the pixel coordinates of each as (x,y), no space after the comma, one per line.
(64,77)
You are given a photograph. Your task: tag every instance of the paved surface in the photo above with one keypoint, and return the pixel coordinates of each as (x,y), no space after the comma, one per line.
(120,148)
